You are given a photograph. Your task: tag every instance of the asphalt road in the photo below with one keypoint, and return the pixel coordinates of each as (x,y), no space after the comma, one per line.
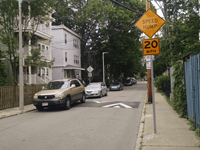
(109,123)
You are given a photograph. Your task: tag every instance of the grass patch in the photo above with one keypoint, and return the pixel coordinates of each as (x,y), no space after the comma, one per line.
(141,136)
(197,132)
(147,103)
(192,128)
(191,123)
(140,147)
(167,99)
(142,121)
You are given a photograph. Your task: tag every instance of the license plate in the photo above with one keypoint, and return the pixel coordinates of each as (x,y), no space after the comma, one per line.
(44,104)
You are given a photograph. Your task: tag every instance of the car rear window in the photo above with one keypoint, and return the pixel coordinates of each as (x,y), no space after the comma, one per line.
(127,81)
(94,85)
(56,85)
(116,83)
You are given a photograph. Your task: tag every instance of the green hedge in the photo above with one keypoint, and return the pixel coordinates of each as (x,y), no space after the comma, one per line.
(160,81)
(179,102)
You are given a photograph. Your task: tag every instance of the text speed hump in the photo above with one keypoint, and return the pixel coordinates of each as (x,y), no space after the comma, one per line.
(151,46)
(150,23)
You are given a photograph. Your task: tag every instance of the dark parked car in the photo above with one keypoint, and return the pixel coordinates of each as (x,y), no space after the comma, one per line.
(134,80)
(129,82)
(116,86)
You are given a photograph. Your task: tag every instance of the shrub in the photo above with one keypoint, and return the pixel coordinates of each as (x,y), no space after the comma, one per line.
(160,81)
(179,102)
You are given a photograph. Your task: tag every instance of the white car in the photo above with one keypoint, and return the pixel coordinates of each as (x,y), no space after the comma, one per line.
(96,89)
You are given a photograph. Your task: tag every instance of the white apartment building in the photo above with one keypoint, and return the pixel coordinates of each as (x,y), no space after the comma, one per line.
(36,75)
(66,52)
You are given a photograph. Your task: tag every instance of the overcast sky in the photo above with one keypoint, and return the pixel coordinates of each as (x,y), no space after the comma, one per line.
(159,12)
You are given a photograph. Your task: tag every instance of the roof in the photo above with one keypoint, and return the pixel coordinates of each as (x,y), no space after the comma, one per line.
(70,67)
(62,79)
(66,29)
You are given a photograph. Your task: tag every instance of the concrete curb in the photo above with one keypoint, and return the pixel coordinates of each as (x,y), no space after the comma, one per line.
(14,112)
(141,127)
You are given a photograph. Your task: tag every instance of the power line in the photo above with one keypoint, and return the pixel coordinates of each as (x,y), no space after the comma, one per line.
(126,7)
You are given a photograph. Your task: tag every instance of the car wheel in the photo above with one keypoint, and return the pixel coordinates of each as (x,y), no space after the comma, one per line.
(83,98)
(39,108)
(106,93)
(100,96)
(67,104)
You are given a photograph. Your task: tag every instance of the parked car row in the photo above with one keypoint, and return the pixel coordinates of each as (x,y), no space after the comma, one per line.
(68,91)
(130,81)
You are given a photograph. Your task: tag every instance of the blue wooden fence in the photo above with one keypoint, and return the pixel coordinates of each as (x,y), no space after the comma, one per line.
(192,78)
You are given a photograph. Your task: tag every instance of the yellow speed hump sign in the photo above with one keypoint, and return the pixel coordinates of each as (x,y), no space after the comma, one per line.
(150,23)
(151,46)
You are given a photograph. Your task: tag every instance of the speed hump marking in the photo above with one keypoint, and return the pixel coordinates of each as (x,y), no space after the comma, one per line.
(151,46)
(150,23)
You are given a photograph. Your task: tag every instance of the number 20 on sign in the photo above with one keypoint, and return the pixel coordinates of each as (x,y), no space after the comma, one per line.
(151,46)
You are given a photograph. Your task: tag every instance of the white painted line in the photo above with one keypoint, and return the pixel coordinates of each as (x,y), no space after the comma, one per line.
(101,102)
(116,107)
(124,105)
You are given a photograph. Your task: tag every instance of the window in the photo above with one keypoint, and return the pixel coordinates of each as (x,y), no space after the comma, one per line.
(77,83)
(75,43)
(43,47)
(66,56)
(74,58)
(39,71)
(66,38)
(47,48)
(72,82)
(39,46)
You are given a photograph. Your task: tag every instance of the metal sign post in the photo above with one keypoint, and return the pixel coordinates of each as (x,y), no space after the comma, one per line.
(153,96)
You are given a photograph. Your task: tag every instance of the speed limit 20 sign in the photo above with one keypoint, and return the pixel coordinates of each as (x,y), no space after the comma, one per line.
(151,47)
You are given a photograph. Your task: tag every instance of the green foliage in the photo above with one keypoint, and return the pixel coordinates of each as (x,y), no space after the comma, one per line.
(160,81)
(191,123)
(197,132)
(3,76)
(159,65)
(36,60)
(192,128)
(179,102)
(180,34)
(105,27)
(36,11)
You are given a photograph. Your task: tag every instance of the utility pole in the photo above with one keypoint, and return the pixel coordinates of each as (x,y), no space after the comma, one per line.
(103,66)
(21,83)
(21,76)
(149,86)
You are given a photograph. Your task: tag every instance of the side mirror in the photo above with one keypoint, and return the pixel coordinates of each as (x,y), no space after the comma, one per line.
(73,86)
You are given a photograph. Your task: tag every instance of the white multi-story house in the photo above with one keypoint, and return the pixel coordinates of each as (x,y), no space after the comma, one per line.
(36,75)
(66,52)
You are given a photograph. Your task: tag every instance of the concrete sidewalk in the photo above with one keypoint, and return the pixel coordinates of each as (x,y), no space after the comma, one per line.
(172,132)
(15,111)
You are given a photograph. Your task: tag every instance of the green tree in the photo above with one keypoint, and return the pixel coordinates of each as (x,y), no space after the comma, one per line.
(34,12)
(105,26)
(3,76)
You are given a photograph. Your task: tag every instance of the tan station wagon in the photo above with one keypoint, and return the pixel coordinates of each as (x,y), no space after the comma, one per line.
(60,93)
